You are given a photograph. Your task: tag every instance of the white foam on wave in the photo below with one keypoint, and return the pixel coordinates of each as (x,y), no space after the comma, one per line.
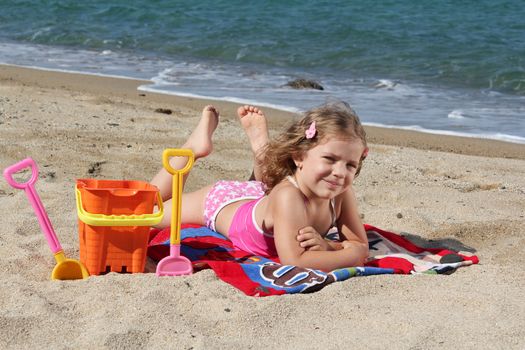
(456,114)
(40,32)
(386,84)
(494,136)
(242,52)
(149,88)
(398,88)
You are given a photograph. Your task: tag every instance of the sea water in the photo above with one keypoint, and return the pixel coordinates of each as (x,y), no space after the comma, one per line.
(453,67)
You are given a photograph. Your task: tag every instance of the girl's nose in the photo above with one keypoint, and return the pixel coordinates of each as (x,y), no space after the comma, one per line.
(339,169)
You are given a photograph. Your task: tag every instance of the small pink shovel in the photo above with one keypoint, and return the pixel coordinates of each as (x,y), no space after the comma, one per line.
(65,269)
(175,264)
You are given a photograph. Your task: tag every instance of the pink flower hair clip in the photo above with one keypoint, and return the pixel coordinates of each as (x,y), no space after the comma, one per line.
(310,133)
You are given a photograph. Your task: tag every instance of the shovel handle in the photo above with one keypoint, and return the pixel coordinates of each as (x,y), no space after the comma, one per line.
(174,152)
(34,199)
(176,197)
(26,163)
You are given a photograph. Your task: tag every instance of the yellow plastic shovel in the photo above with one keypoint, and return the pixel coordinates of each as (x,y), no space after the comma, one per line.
(175,264)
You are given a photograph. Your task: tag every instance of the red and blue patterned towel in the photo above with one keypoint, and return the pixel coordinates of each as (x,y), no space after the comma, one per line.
(260,276)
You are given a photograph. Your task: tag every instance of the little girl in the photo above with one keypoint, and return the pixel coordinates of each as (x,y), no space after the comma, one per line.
(302,188)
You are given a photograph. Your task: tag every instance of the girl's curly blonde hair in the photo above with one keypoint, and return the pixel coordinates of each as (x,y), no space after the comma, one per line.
(331,120)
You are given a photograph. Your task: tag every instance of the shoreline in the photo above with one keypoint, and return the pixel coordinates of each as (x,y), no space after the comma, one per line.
(127,88)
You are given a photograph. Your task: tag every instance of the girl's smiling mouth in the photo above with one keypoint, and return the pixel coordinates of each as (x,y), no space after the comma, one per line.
(333,184)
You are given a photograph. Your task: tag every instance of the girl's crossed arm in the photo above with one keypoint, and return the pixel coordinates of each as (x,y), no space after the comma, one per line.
(289,216)
(349,224)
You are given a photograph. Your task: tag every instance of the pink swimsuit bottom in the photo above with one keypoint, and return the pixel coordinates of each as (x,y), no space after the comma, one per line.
(244,232)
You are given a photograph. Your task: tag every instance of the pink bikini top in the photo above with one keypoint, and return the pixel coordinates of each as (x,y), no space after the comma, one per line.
(245,234)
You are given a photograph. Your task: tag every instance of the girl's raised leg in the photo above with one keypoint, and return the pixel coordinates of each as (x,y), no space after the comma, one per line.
(254,124)
(192,208)
(200,142)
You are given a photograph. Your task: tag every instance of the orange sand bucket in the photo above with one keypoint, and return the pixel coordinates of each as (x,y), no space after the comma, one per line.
(114,222)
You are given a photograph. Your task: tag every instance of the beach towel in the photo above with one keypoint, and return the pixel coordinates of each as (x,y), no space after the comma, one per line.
(390,253)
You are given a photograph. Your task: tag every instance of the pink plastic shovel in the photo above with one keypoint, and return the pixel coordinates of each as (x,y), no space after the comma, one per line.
(65,269)
(175,264)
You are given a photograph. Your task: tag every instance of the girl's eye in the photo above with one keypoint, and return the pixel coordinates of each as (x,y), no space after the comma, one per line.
(329,159)
(350,166)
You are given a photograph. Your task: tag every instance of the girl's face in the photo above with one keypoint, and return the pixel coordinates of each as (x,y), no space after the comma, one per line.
(329,168)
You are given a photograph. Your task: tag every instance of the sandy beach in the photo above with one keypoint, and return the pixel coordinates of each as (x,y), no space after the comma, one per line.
(465,193)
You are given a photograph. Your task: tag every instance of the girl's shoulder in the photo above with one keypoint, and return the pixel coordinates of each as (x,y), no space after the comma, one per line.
(285,201)
(285,191)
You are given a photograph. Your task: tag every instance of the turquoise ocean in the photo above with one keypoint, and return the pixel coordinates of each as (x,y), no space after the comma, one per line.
(445,67)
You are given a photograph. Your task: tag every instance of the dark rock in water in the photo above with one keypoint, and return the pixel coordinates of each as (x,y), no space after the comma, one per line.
(304,84)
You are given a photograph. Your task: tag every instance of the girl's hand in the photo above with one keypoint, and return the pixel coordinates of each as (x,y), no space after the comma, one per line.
(360,247)
(310,239)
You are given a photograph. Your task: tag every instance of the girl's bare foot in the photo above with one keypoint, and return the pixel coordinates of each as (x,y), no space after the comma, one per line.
(199,142)
(253,122)
(200,139)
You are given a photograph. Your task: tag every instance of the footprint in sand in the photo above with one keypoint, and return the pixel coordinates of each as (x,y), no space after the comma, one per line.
(95,168)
